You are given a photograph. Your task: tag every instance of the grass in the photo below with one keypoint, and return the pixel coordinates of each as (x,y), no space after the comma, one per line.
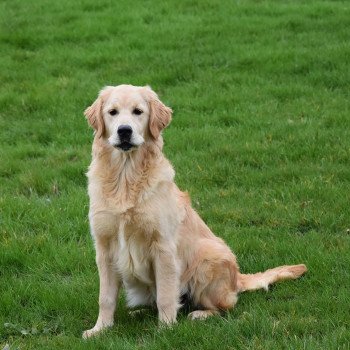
(259,138)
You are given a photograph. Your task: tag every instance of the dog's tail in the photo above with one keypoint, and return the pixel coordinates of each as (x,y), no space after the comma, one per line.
(262,280)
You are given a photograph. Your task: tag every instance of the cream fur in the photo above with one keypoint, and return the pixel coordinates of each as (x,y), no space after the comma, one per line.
(148,238)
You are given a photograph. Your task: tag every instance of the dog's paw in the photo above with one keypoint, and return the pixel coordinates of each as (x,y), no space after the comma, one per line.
(166,323)
(90,333)
(94,331)
(201,314)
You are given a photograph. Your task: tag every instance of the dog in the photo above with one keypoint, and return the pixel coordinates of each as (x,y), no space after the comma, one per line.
(147,236)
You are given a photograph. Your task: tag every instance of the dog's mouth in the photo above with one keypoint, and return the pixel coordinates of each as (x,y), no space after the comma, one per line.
(125,146)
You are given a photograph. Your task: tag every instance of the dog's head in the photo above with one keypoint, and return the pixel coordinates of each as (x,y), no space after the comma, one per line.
(128,116)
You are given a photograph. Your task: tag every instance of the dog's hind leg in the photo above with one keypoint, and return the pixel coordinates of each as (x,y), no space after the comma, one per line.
(202,314)
(212,304)
(215,289)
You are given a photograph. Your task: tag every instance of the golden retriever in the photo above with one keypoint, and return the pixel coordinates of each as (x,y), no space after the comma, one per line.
(147,236)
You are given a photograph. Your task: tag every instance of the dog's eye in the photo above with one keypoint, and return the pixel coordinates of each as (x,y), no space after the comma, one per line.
(137,111)
(113,112)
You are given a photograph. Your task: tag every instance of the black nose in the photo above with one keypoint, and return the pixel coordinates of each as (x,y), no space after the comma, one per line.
(124,132)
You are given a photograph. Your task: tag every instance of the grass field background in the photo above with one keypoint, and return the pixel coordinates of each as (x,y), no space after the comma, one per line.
(260,138)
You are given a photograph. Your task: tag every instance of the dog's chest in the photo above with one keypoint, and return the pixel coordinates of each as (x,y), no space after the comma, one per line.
(134,259)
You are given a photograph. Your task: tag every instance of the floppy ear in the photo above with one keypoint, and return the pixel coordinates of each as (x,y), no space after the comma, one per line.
(93,113)
(160,114)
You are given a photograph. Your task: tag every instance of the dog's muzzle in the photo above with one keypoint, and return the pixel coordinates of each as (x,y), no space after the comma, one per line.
(124,133)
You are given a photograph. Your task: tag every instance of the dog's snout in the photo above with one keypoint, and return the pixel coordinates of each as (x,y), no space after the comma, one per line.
(124,132)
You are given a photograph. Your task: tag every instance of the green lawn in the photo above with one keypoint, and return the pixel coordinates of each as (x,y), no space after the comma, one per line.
(260,139)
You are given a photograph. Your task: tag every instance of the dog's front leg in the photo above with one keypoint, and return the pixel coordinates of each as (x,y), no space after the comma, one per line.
(106,251)
(167,284)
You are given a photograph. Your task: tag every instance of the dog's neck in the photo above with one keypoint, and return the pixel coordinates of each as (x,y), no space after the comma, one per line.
(127,174)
